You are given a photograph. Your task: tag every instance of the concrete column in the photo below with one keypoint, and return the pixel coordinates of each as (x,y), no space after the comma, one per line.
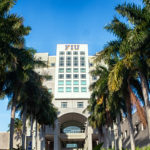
(90,138)
(56,136)
(42,139)
(33,136)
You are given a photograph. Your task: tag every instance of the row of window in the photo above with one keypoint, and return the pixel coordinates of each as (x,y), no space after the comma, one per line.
(75,63)
(69,89)
(69,76)
(64,104)
(68,58)
(75,82)
(61,70)
(70,53)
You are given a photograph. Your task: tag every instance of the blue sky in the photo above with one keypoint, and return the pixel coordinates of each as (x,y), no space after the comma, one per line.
(64,21)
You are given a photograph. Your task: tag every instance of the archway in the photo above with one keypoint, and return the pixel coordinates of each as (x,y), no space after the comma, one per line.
(72,129)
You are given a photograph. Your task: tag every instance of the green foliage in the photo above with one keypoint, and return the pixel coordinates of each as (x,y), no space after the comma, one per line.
(98,147)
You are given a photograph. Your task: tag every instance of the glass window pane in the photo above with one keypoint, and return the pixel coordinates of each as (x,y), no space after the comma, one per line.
(61,76)
(83,89)
(60,89)
(50,90)
(79,104)
(63,104)
(68,82)
(75,63)
(68,58)
(82,63)
(61,53)
(68,76)
(68,70)
(75,70)
(68,89)
(75,53)
(61,70)
(75,82)
(82,53)
(61,63)
(83,69)
(52,64)
(61,58)
(68,53)
(68,63)
(75,76)
(76,89)
(83,82)
(82,58)
(83,76)
(60,82)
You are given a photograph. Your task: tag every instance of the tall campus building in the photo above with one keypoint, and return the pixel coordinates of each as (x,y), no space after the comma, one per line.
(70,86)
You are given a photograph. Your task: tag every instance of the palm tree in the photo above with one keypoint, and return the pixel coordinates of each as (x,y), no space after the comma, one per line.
(120,69)
(36,103)
(137,45)
(103,103)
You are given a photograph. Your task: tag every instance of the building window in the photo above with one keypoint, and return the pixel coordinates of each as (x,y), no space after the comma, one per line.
(82,53)
(83,89)
(83,69)
(68,76)
(68,58)
(83,76)
(61,61)
(79,104)
(60,82)
(68,89)
(82,58)
(61,53)
(75,70)
(94,78)
(61,76)
(60,89)
(75,61)
(90,65)
(76,89)
(61,64)
(63,104)
(68,70)
(52,64)
(75,53)
(75,82)
(61,58)
(83,82)
(61,70)
(68,63)
(68,82)
(50,90)
(68,53)
(82,63)
(75,76)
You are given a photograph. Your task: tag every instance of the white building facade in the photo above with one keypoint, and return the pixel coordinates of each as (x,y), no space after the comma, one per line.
(70,86)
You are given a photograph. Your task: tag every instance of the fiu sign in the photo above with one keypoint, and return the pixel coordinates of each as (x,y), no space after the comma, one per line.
(72,47)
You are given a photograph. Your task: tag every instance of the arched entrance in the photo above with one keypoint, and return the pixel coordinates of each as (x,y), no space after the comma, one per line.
(72,131)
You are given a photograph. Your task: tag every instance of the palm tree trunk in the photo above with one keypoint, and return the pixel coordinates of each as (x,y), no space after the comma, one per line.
(119,132)
(99,135)
(31,132)
(144,85)
(132,141)
(24,128)
(36,134)
(13,110)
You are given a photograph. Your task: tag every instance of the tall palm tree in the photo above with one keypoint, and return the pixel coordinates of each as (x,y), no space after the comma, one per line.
(137,45)
(103,103)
